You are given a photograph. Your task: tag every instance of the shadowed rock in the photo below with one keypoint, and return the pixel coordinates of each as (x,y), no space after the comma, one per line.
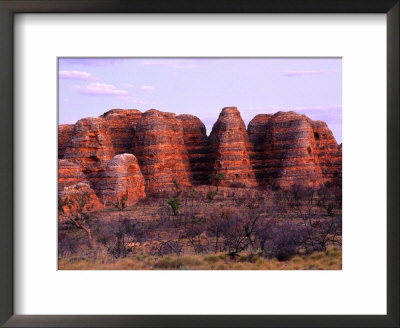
(121,126)
(65,132)
(195,139)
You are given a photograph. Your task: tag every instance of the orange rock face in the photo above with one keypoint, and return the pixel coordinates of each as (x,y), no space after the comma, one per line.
(229,147)
(65,132)
(195,139)
(289,148)
(328,152)
(161,152)
(122,178)
(127,153)
(69,174)
(121,126)
(90,146)
(79,193)
(256,130)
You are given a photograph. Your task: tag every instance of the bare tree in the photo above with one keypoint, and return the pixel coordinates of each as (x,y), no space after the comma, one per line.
(79,205)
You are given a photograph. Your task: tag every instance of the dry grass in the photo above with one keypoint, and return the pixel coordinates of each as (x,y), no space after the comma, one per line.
(330,260)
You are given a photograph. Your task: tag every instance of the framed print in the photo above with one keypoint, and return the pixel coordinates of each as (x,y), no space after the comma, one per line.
(190,164)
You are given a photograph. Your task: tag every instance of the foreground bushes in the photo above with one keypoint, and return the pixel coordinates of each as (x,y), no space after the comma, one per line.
(271,225)
(330,260)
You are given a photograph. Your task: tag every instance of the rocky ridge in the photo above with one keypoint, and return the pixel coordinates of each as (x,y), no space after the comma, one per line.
(127,153)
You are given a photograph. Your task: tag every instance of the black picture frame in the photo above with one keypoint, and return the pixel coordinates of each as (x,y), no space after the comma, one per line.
(10,7)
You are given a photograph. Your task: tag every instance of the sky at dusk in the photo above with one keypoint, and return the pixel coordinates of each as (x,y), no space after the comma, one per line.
(202,87)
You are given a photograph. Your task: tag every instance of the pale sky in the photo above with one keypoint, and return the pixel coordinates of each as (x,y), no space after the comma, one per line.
(202,87)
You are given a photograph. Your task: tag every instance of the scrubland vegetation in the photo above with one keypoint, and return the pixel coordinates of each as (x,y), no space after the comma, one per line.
(209,227)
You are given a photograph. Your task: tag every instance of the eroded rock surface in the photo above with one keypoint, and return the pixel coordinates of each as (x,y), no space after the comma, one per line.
(65,132)
(328,152)
(195,139)
(161,153)
(79,195)
(229,149)
(122,179)
(69,174)
(289,148)
(90,146)
(121,126)
(134,154)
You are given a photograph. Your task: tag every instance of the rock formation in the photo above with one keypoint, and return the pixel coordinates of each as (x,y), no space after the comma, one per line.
(289,148)
(256,130)
(69,174)
(161,152)
(121,179)
(127,153)
(65,132)
(328,152)
(195,139)
(90,146)
(80,193)
(121,126)
(229,148)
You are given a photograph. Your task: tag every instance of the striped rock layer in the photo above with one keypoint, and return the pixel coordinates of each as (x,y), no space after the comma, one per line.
(289,148)
(121,127)
(195,139)
(121,179)
(126,151)
(160,149)
(65,132)
(229,148)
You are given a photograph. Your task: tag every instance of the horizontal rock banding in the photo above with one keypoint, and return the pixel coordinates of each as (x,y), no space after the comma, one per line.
(121,127)
(65,132)
(195,139)
(160,150)
(90,146)
(229,147)
(121,181)
(127,152)
(328,152)
(289,148)
(69,174)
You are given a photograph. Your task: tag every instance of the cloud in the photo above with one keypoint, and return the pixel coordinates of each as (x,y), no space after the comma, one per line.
(167,63)
(131,99)
(99,89)
(306,73)
(146,88)
(76,75)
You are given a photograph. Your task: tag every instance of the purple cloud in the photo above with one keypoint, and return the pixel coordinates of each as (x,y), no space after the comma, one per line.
(305,73)
(146,88)
(99,89)
(166,63)
(76,75)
